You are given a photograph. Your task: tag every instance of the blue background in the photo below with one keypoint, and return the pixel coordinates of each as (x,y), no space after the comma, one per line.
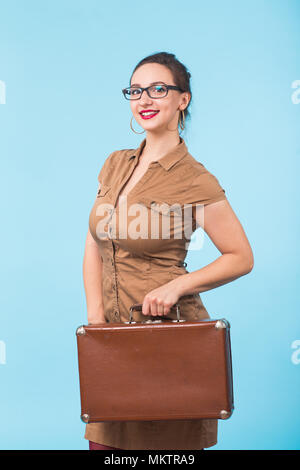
(64,64)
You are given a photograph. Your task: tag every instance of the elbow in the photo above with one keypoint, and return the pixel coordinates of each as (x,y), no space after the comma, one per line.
(241,263)
(244,263)
(249,268)
(249,264)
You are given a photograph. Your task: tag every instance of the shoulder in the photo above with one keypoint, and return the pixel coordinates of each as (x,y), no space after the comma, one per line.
(204,187)
(200,170)
(117,156)
(112,163)
(196,166)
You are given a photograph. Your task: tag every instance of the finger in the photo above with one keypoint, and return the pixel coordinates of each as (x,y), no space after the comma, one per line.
(145,307)
(160,309)
(153,308)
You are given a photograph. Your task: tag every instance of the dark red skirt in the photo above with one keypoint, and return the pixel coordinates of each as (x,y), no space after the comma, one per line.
(95,446)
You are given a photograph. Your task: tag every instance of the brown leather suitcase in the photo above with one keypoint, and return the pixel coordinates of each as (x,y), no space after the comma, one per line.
(155,370)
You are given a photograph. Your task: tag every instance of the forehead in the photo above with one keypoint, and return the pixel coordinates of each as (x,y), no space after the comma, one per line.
(149,73)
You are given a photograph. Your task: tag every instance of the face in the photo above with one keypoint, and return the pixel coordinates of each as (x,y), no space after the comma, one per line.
(169,107)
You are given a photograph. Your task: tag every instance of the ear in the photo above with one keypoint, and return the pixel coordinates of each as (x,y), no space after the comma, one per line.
(186,97)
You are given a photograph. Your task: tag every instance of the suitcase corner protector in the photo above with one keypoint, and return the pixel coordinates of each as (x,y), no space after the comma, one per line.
(224,414)
(221,324)
(85,418)
(80,330)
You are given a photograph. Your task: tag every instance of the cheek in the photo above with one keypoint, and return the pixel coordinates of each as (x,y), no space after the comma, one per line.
(167,108)
(133,107)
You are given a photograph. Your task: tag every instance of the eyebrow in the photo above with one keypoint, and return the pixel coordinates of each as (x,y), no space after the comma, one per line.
(153,83)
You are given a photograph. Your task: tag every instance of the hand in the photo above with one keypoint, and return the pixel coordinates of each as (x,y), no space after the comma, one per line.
(159,301)
(96,316)
(96,322)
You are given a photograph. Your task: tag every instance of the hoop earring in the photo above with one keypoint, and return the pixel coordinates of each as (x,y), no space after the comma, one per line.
(133,129)
(182,121)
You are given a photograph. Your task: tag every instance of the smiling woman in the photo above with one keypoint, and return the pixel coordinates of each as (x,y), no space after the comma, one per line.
(121,271)
(174,77)
(156,90)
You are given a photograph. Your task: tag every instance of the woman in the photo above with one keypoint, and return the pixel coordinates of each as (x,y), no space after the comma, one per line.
(124,265)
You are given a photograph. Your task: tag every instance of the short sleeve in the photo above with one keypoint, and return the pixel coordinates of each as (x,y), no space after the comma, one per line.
(206,189)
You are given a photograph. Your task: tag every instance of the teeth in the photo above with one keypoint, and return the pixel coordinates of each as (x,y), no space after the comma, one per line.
(149,112)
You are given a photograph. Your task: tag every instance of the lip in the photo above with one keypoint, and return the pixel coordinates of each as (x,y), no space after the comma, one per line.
(156,111)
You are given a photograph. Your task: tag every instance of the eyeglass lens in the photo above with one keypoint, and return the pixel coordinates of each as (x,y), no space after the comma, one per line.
(157,91)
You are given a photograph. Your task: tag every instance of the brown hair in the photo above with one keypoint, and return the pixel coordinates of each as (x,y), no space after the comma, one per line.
(180,73)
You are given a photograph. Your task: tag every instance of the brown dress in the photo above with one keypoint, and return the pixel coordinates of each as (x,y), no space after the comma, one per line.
(135,262)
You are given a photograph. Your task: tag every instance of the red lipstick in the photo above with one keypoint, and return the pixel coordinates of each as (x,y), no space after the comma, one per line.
(148,113)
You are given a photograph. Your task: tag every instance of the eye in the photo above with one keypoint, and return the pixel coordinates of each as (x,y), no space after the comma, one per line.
(134,91)
(158,91)
(160,88)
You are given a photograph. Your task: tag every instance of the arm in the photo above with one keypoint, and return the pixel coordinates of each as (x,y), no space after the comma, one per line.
(92,278)
(224,229)
(226,232)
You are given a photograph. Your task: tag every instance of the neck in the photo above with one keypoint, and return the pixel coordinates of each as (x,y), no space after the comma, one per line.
(158,145)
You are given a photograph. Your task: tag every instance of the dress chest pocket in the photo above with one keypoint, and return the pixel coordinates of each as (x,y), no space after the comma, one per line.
(163,208)
(167,215)
(176,218)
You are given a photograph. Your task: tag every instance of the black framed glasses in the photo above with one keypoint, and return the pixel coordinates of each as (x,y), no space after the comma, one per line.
(154,91)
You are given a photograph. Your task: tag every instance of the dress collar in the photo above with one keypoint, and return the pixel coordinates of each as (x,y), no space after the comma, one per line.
(167,160)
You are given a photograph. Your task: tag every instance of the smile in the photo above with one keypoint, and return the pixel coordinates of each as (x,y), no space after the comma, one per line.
(148,114)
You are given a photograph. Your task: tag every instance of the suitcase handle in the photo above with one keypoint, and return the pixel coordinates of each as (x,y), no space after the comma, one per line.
(139,308)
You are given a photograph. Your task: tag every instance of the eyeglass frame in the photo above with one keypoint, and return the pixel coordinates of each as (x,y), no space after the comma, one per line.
(169,87)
